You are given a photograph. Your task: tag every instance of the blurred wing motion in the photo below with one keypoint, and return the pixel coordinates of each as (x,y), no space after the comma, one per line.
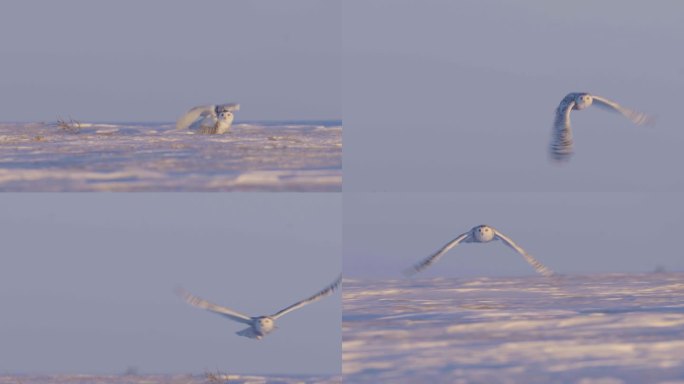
(437,255)
(637,118)
(561,142)
(230,107)
(201,303)
(192,115)
(539,267)
(325,292)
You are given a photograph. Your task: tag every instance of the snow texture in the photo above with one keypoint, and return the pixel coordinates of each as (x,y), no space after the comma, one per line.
(282,156)
(608,329)
(166,379)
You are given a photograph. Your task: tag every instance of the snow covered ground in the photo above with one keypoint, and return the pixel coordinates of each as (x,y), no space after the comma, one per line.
(281,156)
(608,329)
(166,379)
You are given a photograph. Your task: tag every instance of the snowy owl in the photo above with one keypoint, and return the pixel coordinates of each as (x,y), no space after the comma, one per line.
(259,326)
(561,142)
(481,234)
(209,119)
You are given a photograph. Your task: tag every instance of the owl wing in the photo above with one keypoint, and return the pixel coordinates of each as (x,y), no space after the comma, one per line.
(561,140)
(437,255)
(230,107)
(637,118)
(539,267)
(201,303)
(325,292)
(195,113)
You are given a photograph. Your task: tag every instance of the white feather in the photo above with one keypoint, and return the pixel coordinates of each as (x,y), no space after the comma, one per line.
(209,118)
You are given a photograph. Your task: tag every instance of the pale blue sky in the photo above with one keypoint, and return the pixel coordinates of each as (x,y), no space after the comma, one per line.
(460,95)
(572,233)
(152,60)
(439,96)
(86,283)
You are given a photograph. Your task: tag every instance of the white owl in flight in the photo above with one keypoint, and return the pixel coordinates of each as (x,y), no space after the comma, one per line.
(259,326)
(209,119)
(481,234)
(561,142)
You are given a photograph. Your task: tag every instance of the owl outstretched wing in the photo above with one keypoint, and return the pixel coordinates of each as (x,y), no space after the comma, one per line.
(192,115)
(229,107)
(201,303)
(325,292)
(539,267)
(437,255)
(637,118)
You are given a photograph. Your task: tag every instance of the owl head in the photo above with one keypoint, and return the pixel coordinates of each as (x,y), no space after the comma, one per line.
(583,100)
(483,233)
(264,324)
(226,115)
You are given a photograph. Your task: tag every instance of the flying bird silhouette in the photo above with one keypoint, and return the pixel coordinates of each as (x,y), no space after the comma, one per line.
(209,119)
(561,141)
(480,234)
(259,326)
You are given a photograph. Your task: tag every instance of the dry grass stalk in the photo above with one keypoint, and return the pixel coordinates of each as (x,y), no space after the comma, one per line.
(71,125)
(216,377)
